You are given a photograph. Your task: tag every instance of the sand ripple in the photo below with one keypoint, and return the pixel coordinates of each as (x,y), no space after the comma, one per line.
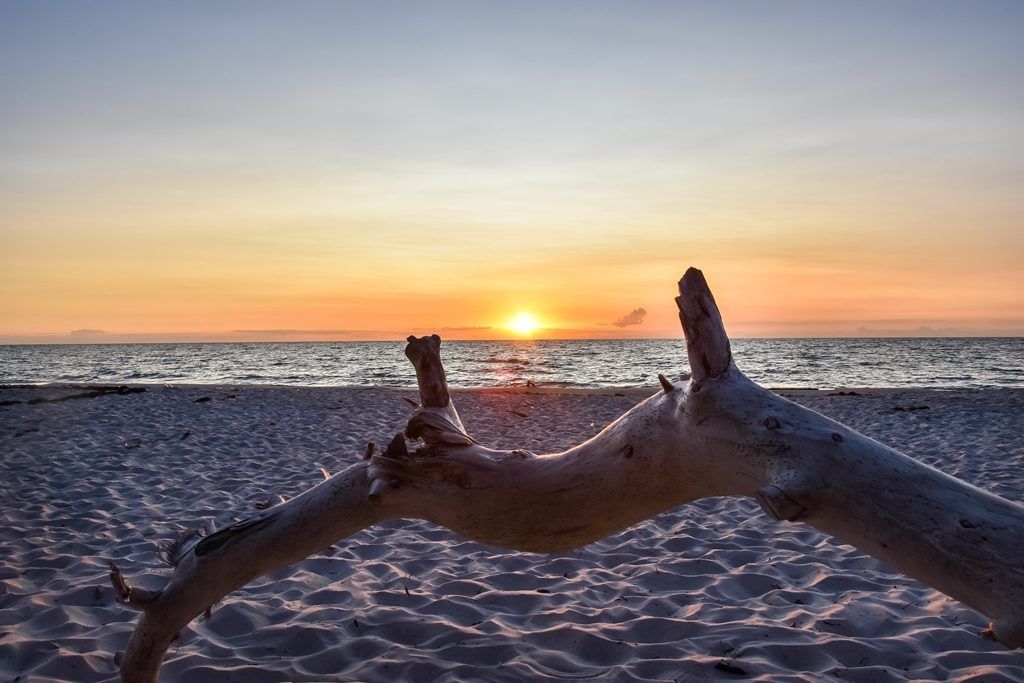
(710,591)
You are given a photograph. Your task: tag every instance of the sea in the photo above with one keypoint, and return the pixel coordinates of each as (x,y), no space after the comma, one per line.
(778,363)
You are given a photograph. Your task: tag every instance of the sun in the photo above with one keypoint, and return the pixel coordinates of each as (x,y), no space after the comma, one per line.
(524,324)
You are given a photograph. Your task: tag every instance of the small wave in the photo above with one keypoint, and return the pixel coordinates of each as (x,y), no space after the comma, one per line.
(948,363)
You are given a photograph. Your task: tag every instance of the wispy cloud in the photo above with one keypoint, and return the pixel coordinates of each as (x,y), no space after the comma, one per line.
(96,336)
(634,317)
(300,331)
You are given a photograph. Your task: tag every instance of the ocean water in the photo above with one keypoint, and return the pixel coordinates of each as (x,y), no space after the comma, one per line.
(822,363)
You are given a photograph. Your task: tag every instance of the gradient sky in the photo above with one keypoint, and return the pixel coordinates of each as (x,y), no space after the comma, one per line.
(226,170)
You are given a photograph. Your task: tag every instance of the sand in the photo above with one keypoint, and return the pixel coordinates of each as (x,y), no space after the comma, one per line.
(711,591)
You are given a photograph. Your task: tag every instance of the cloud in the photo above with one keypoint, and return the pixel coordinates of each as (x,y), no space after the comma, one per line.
(85,332)
(634,317)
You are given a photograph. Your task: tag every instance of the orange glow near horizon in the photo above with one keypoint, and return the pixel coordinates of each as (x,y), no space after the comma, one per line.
(94,286)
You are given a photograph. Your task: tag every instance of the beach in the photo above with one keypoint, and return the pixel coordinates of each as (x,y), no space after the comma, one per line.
(710,591)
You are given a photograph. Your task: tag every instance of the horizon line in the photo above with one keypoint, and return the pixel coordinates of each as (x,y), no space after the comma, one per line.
(895,335)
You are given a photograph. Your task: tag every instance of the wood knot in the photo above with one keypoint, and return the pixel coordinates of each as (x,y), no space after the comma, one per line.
(627,451)
(772,422)
(838,438)
(460,479)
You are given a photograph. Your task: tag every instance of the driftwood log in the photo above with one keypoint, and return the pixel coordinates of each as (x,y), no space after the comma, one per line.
(718,435)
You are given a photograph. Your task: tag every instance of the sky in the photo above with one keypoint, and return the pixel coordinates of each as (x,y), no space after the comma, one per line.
(345,170)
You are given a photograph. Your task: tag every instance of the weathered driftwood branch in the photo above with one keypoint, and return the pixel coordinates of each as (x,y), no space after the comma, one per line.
(721,434)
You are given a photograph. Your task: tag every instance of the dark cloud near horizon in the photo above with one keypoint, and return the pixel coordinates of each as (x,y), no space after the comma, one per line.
(634,317)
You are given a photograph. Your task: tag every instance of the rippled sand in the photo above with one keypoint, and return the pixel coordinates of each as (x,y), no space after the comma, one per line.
(709,591)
